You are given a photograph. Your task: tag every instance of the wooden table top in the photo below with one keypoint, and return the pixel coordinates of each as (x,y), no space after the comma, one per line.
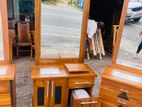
(124,75)
(7,72)
(41,71)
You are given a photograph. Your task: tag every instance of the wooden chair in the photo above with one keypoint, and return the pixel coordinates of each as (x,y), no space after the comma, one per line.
(32,44)
(23,39)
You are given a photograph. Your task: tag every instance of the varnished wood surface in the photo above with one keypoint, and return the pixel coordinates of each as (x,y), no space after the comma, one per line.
(11,42)
(77,68)
(5,99)
(109,71)
(3,9)
(76,102)
(118,79)
(10,72)
(36,72)
(5,86)
(64,79)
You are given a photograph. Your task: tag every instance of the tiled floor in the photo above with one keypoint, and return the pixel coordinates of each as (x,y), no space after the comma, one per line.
(24,82)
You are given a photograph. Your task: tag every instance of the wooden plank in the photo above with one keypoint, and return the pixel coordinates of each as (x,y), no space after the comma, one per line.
(5,99)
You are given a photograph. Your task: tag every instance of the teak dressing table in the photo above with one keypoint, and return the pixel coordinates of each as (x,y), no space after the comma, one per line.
(52,83)
(52,89)
(122,81)
(7,70)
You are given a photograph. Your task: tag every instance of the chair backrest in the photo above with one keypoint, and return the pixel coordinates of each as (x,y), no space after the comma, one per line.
(24,32)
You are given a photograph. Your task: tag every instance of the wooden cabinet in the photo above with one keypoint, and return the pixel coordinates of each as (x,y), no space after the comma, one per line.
(121,88)
(7,86)
(50,92)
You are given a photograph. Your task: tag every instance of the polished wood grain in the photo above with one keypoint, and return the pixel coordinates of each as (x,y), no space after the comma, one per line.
(109,71)
(84,102)
(63,83)
(41,83)
(10,72)
(12,38)
(5,99)
(64,79)
(49,91)
(63,72)
(81,82)
(7,83)
(77,68)
(40,60)
(37,75)
(3,9)
(120,79)
(4,86)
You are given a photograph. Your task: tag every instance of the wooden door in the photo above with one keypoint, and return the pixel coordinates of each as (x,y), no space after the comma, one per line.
(58,93)
(41,93)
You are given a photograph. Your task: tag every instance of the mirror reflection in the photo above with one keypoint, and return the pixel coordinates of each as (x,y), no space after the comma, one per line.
(131,40)
(104,39)
(61,23)
(1,39)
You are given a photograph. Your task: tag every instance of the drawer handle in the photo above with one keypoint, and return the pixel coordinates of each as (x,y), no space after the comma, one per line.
(47,88)
(77,83)
(52,88)
(123,90)
(121,102)
(93,102)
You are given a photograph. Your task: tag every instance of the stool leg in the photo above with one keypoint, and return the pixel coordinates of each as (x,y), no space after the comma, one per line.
(93,46)
(87,49)
(101,43)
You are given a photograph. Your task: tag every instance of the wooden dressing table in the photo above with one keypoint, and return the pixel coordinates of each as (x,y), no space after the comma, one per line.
(122,81)
(58,43)
(121,87)
(51,89)
(7,70)
(7,86)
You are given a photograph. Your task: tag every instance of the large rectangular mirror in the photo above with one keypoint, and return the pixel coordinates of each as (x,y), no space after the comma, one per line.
(129,54)
(62,29)
(110,15)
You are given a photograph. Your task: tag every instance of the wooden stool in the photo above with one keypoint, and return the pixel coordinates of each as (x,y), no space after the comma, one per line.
(85,102)
(97,44)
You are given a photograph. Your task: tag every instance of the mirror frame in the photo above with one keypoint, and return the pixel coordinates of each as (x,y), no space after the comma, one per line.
(118,40)
(38,59)
(3,6)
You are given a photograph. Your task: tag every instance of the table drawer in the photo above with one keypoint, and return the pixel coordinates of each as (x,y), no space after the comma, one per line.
(84,102)
(4,87)
(110,90)
(81,82)
(5,100)
(111,97)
